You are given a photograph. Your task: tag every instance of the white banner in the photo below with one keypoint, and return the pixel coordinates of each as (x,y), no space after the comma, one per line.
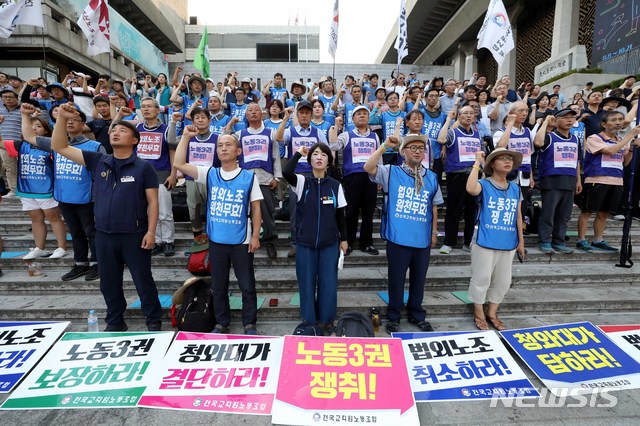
(19,12)
(94,23)
(333,33)
(495,33)
(402,45)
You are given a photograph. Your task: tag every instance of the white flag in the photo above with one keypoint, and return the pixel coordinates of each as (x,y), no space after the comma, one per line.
(495,33)
(19,12)
(94,23)
(333,34)
(401,42)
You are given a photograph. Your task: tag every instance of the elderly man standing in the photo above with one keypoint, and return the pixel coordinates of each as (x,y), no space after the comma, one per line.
(10,129)
(409,222)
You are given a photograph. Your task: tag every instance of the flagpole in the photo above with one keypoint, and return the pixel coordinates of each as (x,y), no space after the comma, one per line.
(289,31)
(306,38)
(44,55)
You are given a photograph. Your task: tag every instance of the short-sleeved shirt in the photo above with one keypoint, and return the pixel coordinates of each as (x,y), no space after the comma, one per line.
(594,145)
(382,178)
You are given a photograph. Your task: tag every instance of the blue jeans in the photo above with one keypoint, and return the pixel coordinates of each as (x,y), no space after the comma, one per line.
(400,258)
(318,268)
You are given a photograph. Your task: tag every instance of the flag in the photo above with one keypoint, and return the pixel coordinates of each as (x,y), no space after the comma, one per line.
(94,23)
(19,12)
(401,41)
(495,33)
(201,61)
(333,34)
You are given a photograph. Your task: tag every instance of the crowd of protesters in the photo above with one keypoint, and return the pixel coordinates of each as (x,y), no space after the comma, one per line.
(101,160)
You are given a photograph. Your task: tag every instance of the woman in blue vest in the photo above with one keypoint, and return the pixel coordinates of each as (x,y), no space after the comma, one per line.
(498,235)
(35,189)
(321,233)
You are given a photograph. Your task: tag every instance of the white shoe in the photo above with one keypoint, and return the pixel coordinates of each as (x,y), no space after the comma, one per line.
(35,252)
(10,194)
(618,217)
(445,249)
(58,253)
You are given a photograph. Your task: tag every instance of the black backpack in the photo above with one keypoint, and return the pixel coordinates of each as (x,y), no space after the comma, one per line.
(196,311)
(354,324)
(308,329)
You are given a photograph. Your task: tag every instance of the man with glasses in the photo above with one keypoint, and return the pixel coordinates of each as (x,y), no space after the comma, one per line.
(10,129)
(397,85)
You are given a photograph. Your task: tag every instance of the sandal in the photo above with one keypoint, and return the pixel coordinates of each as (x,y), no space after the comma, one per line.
(481,323)
(497,323)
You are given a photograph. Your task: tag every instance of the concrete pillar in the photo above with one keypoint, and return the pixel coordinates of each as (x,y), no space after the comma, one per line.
(565,26)
(457,62)
(470,58)
(120,59)
(65,23)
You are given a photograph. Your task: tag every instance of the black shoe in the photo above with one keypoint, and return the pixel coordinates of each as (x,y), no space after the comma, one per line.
(115,328)
(169,249)
(154,326)
(1,273)
(349,251)
(271,250)
(157,249)
(292,252)
(392,327)
(76,272)
(93,274)
(371,250)
(422,325)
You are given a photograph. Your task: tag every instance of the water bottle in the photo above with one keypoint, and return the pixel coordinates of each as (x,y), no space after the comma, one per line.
(92,322)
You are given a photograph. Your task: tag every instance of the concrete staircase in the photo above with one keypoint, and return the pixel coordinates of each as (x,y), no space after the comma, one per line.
(579,283)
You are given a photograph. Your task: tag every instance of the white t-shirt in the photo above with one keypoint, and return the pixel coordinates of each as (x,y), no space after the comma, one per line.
(256,194)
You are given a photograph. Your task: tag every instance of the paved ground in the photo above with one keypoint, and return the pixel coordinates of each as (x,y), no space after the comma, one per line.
(626,412)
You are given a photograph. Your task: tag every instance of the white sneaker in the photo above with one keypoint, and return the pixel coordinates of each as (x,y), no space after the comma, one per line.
(35,252)
(618,217)
(10,194)
(58,253)
(445,249)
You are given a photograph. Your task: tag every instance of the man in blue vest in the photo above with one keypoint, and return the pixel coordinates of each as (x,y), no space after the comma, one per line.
(557,171)
(73,189)
(347,107)
(154,148)
(304,134)
(409,221)
(233,226)
(261,155)
(357,146)
(126,212)
(277,91)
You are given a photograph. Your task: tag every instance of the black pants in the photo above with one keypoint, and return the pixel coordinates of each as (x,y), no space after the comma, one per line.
(416,260)
(267,211)
(222,256)
(114,251)
(360,194)
(438,168)
(80,222)
(458,201)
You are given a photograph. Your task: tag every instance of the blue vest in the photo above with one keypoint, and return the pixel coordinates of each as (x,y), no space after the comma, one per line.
(407,218)
(153,146)
(522,144)
(202,152)
(431,128)
(329,115)
(316,224)
(35,171)
(600,164)
(389,123)
(73,182)
(323,127)
(228,206)
(297,140)
(277,92)
(190,100)
(180,124)
(462,152)
(560,157)
(274,126)
(256,150)
(348,117)
(239,111)
(218,124)
(498,216)
(357,151)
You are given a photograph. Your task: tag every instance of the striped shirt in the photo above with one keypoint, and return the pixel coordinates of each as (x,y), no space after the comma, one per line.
(11,127)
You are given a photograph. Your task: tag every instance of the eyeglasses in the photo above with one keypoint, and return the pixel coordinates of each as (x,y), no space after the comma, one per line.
(74,120)
(9,97)
(504,158)
(416,148)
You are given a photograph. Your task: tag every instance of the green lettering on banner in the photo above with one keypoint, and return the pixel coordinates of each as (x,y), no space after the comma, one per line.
(96,399)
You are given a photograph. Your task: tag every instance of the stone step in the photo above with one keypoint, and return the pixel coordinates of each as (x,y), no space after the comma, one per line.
(581,277)
(615,298)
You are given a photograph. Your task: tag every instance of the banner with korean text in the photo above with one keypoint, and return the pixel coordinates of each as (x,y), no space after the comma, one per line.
(574,356)
(220,373)
(22,344)
(92,370)
(627,337)
(337,380)
(462,366)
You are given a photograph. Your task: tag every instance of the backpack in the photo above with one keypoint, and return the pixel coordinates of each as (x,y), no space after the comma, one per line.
(308,329)
(196,311)
(354,324)
(199,263)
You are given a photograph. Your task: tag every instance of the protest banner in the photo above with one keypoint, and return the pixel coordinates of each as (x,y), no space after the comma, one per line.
(627,337)
(574,356)
(22,344)
(462,366)
(216,372)
(339,380)
(92,370)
